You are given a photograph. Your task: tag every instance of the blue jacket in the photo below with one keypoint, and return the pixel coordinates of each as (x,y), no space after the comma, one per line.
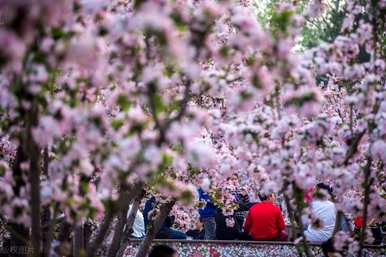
(209,210)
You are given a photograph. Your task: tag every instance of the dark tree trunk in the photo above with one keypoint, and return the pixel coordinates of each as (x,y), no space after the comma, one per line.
(103,229)
(64,248)
(78,241)
(129,225)
(366,200)
(46,229)
(118,230)
(34,154)
(154,228)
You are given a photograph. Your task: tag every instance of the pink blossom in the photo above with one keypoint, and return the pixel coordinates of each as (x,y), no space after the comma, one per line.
(378,150)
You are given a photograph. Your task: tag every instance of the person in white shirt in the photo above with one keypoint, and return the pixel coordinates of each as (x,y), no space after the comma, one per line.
(324,212)
(138,225)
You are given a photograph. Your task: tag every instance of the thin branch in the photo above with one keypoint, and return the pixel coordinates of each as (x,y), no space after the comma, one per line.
(353,147)
(183,106)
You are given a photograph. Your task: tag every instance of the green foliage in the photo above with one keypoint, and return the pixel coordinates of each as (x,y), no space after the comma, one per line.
(123,102)
(280,21)
(301,100)
(316,30)
(159,178)
(117,123)
(325,28)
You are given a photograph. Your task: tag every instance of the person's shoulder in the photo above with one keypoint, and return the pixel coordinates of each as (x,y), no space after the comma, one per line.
(276,208)
(326,203)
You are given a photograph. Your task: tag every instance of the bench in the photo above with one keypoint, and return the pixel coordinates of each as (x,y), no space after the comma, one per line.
(216,248)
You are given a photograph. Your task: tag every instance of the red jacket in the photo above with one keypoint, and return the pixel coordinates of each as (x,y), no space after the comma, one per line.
(264,221)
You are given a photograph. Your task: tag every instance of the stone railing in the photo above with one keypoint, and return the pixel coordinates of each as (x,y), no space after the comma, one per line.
(201,248)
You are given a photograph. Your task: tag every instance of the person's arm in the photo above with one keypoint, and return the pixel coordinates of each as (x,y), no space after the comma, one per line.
(248,223)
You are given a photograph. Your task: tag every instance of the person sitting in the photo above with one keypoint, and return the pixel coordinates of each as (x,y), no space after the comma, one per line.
(167,232)
(324,212)
(207,215)
(149,207)
(241,199)
(197,233)
(226,231)
(138,225)
(162,251)
(265,221)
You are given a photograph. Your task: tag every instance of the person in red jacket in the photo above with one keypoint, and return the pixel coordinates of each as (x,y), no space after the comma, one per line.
(265,221)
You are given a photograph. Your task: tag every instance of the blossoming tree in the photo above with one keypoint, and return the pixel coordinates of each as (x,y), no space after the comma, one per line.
(103,99)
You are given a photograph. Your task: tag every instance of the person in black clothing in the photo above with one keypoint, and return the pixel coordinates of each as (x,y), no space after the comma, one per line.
(167,232)
(223,232)
(198,233)
(241,199)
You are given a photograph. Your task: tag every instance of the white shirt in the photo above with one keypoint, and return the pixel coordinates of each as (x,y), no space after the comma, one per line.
(138,225)
(325,211)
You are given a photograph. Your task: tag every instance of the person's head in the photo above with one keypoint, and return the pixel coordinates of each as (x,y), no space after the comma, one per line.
(234,179)
(267,197)
(162,251)
(323,191)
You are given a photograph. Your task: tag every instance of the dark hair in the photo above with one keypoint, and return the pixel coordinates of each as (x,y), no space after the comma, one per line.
(325,187)
(162,251)
(263,197)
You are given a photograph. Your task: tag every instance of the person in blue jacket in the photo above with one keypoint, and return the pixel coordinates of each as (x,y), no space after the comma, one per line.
(207,215)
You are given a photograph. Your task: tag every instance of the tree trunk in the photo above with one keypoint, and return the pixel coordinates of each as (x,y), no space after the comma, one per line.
(295,229)
(104,227)
(118,230)
(124,198)
(46,230)
(34,154)
(78,241)
(64,239)
(129,225)
(366,201)
(154,228)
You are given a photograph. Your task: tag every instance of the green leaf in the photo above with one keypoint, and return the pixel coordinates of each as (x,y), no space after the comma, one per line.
(166,162)
(57,33)
(123,102)
(179,22)
(187,196)
(281,20)
(117,123)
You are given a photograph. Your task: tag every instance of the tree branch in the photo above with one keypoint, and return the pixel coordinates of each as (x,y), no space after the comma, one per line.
(129,224)
(34,153)
(154,228)
(353,147)
(366,201)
